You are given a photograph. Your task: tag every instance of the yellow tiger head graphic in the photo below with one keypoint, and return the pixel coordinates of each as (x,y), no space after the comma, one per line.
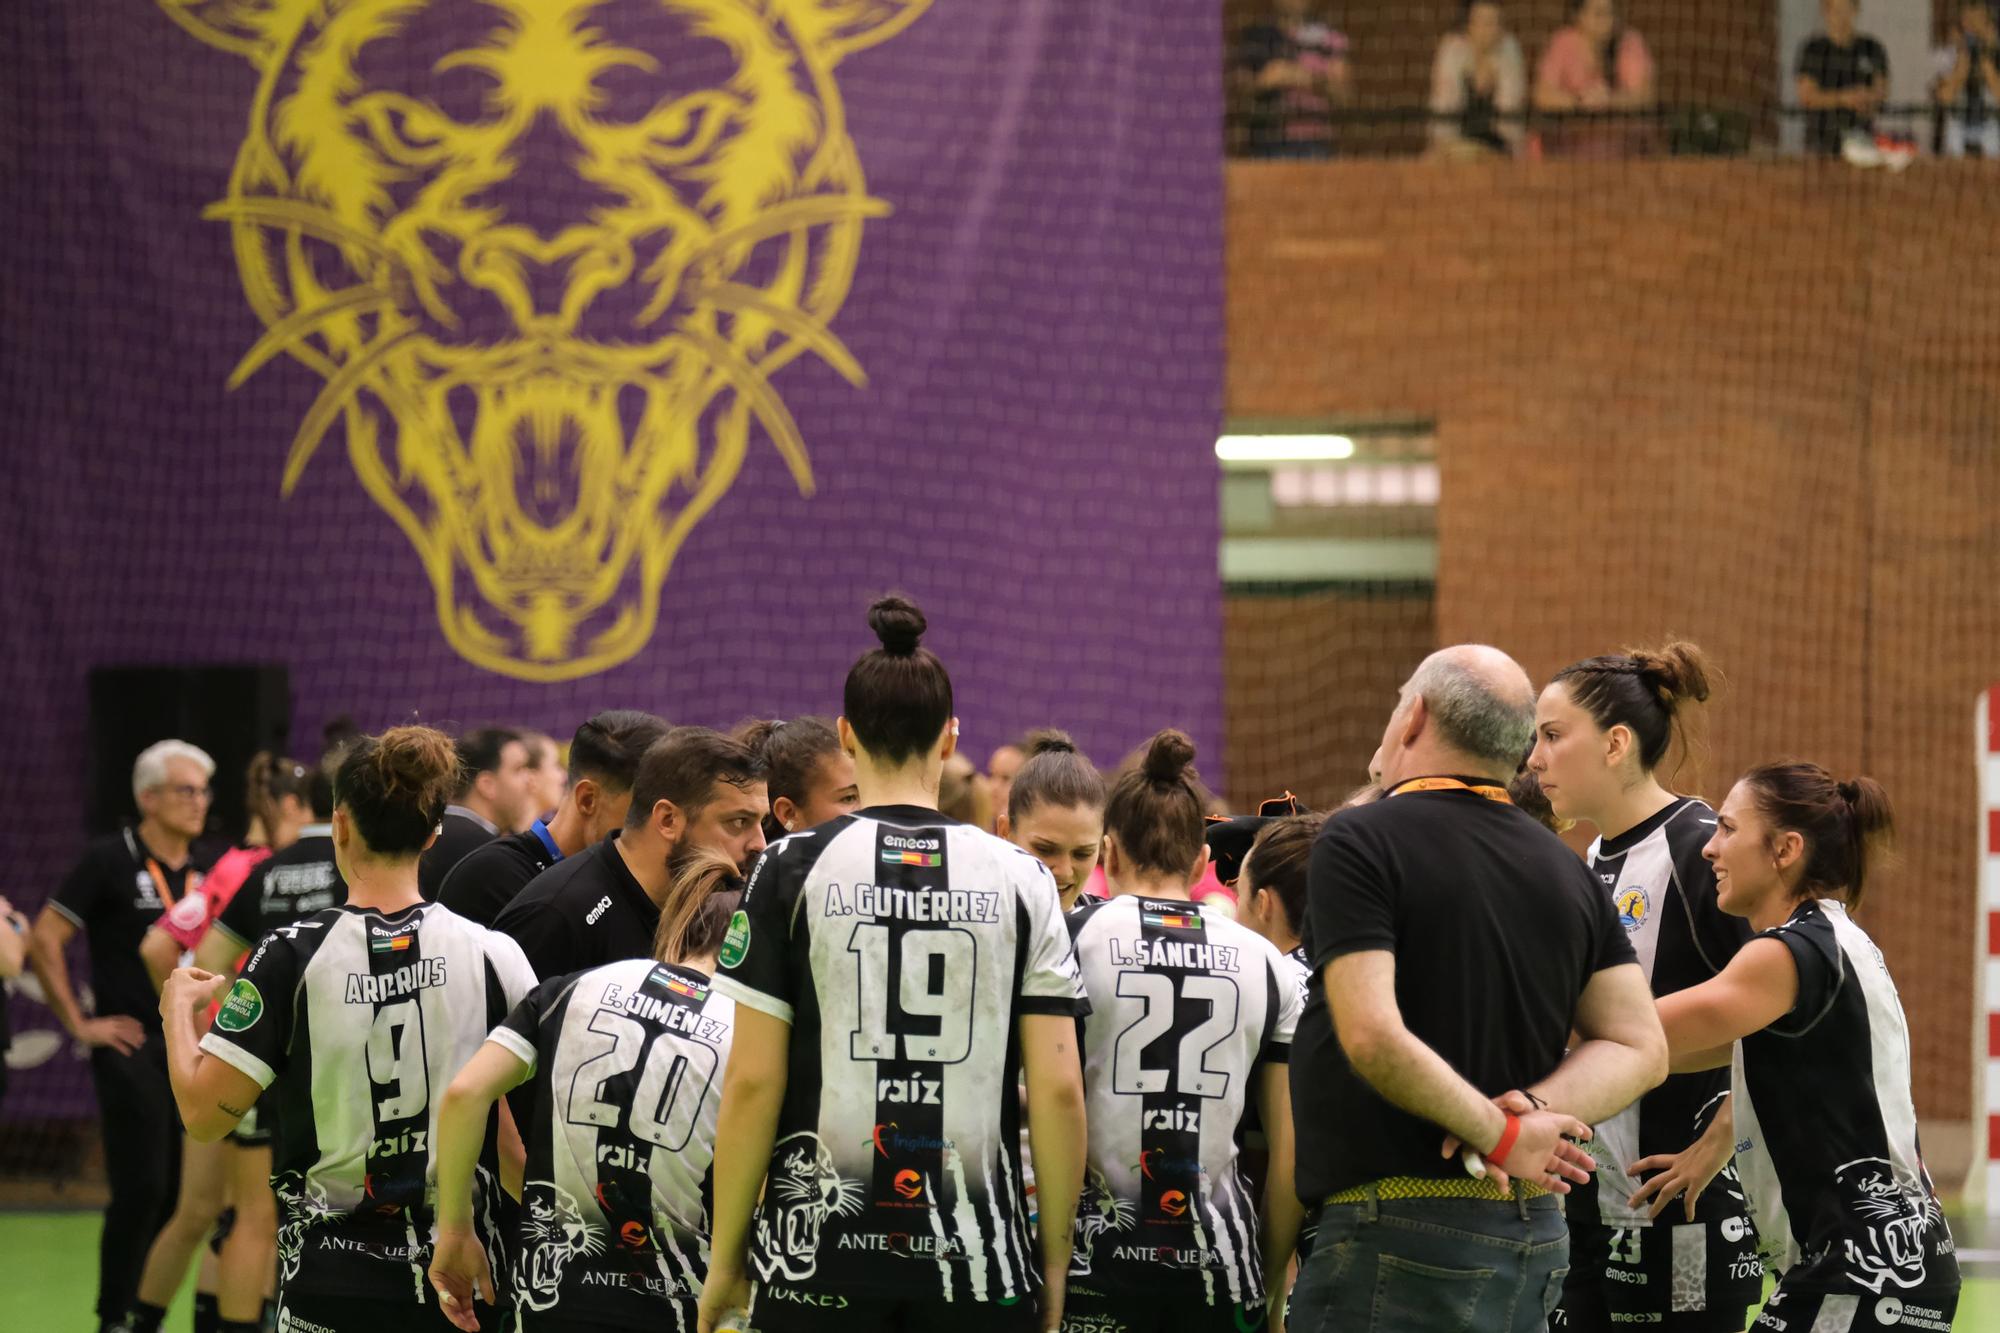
(547,257)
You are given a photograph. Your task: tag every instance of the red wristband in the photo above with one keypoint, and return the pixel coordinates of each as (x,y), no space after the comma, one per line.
(1498,1157)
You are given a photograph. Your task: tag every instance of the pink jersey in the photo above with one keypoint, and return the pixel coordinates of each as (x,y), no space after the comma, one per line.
(189,919)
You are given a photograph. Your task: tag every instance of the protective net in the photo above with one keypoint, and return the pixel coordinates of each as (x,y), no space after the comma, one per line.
(473,396)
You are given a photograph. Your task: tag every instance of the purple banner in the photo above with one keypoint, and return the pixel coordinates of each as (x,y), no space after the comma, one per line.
(501,360)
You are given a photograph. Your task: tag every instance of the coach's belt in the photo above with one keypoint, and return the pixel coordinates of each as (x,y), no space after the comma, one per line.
(1417,1187)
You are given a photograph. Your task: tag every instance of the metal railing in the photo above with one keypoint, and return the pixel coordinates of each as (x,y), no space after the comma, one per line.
(1669,129)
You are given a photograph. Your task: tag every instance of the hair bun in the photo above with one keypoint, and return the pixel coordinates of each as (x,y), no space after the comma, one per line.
(1678,673)
(1168,756)
(1049,740)
(416,760)
(898,624)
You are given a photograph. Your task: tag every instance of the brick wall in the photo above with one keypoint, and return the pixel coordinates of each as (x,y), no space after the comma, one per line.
(1754,404)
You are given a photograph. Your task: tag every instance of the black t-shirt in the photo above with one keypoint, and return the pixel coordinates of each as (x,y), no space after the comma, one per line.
(584,911)
(1829,1086)
(286,887)
(117,890)
(491,875)
(1834,68)
(1496,927)
(458,837)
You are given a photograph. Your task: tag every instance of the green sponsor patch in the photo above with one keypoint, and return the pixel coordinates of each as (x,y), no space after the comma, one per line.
(241,1008)
(737,942)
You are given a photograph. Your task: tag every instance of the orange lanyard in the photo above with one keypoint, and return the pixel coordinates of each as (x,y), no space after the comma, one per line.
(160,881)
(1490,792)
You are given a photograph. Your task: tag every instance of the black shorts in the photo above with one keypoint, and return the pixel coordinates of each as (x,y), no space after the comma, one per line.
(1683,1277)
(1170,1307)
(310,1313)
(779,1308)
(1923,1310)
(671,1314)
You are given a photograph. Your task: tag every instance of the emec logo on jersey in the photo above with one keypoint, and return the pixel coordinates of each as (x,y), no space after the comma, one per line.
(736,943)
(241,1008)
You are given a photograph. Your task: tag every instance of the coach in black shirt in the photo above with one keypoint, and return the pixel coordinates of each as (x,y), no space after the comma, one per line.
(495,796)
(121,886)
(694,788)
(1455,944)
(603,757)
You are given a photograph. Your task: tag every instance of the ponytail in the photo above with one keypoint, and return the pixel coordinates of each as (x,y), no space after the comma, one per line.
(690,915)
(1847,827)
(1156,810)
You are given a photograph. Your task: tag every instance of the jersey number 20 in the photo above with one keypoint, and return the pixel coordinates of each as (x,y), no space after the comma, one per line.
(671,1089)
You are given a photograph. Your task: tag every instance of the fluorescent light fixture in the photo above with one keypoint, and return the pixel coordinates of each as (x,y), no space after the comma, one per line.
(1283,448)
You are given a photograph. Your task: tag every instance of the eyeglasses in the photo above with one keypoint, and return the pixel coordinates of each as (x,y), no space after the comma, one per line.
(187,791)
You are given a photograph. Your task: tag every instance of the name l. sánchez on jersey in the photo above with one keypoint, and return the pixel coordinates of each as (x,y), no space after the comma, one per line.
(1157,951)
(923,905)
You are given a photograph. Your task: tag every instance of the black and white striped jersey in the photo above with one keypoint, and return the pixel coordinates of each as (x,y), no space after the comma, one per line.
(901,946)
(1829,1090)
(1187,1008)
(357,1020)
(620,1134)
(1664,890)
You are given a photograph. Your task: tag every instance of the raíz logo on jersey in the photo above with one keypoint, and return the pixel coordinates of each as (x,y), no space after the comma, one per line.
(804,1190)
(553,1231)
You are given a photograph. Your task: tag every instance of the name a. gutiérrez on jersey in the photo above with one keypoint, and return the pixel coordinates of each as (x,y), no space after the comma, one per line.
(928,905)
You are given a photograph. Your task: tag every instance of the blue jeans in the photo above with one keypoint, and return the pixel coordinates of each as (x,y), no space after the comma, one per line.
(1435,1265)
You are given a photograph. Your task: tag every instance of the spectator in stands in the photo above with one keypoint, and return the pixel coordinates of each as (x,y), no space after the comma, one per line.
(1595,63)
(1843,80)
(1967,89)
(495,797)
(1479,86)
(1291,70)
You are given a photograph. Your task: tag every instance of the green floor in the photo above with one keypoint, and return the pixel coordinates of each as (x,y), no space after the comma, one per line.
(48,1274)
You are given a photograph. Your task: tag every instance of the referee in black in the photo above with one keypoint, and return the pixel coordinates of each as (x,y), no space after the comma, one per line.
(1455,944)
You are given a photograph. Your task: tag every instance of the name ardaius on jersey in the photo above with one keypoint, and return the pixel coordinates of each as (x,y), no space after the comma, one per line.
(880,900)
(365,988)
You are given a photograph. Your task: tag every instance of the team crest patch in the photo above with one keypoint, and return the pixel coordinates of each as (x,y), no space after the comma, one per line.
(241,1008)
(736,943)
(1633,908)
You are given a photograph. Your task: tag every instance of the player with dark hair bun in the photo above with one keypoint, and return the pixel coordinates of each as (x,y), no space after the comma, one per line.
(809,778)
(355,1018)
(1055,809)
(1191,1025)
(894,972)
(1809,1015)
(1605,730)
